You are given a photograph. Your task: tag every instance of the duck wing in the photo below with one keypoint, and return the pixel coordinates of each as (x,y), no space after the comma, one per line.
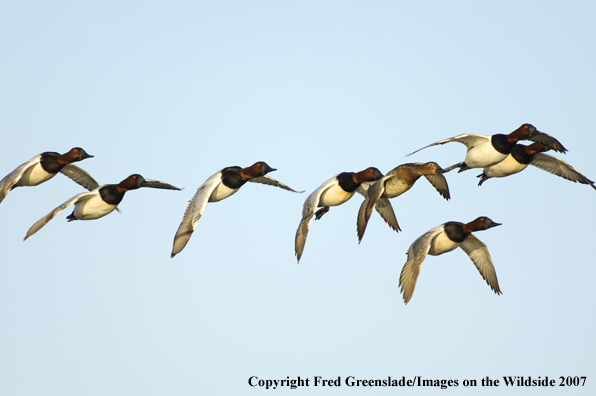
(558,167)
(363,188)
(469,139)
(308,210)
(548,141)
(385,209)
(272,182)
(79,176)
(373,199)
(13,177)
(416,255)
(158,184)
(194,211)
(478,252)
(439,182)
(74,200)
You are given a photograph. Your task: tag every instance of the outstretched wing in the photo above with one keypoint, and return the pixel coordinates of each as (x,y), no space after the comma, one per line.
(470,140)
(373,199)
(79,176)
(158,184)
(385,209)
(549,142)
(558,167)
(478,252)
(272,182)
(416,255)
(439,182)
(194,211)
(13,177)
(308,210)
(44,220)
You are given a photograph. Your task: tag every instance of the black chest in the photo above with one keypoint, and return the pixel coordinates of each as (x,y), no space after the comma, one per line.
(111,195)
(346,182)
(455,231)
(49,162)
(520,155)
(232,178)
(502,144)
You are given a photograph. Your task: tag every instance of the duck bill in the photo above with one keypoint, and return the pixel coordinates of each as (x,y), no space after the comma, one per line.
(493,224)
(269,169)
(158,184)
(85,156)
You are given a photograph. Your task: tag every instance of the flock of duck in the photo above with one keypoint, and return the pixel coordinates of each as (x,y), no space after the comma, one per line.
(498,155)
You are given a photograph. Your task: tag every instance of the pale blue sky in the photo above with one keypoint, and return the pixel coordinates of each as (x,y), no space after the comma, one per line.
(176,91)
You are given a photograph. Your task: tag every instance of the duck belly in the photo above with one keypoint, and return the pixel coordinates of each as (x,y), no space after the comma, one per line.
(34,175)
(92,209)
(334,196)
(483,155)
(508,166)
(442,244)
(221,192)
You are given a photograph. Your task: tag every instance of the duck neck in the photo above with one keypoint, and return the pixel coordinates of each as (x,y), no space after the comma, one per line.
(517,135)
(535,148)
(249,173)
(468,228)
(65,159)
(361,176)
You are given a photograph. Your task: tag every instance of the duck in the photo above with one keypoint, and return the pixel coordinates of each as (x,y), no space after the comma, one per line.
(100,201)
(393,184)
(221,185)
(484,151)
(334,192)
(522,156)
(445,238)
(45,166)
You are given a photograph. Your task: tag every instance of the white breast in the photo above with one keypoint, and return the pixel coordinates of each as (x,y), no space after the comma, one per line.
(507,167)
(34,175)
(442,244)
(334,196)
(93,208)
(222,191)
(483,155)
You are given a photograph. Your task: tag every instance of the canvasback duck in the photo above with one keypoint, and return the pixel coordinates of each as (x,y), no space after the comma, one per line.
(521,156)
(100,201)
(44,166)
(221,185)
(393,184)
(335,191)
(486,151)
(443,239)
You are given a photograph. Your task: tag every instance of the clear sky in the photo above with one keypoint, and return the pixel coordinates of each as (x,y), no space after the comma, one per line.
(177,90)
